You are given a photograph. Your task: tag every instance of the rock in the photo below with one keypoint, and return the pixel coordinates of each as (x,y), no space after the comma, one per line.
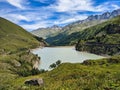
(35,82)
(15,63)
(36,64)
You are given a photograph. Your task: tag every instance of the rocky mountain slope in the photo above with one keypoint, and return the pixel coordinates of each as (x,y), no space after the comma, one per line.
(106,15)
(101,39)
(66,36)
(75,26)
(47,32)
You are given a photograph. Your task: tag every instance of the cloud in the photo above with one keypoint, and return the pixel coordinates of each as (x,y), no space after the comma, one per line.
(82,5)
(17,3)
(35,26)
(70,19)
(72,5)
(16,18)
(31,15)
(115,6)
(107,6)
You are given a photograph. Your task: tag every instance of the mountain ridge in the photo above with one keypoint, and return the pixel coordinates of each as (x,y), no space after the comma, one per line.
(47,32)
(106,15)
(77,25)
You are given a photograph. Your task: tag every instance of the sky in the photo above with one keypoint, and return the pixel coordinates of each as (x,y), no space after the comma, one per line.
(34,14)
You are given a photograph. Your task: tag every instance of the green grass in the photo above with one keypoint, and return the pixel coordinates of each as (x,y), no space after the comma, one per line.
(100,74)
(13,37)
(16,63)
(88,33)
(16,60)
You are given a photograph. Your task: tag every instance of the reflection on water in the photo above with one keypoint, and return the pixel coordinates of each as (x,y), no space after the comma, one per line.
(50,55)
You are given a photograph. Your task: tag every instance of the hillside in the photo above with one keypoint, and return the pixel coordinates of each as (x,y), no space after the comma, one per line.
(101,39)
(65,37)
(13,37)
(56,31)
(15,57)
(47,32)
(58,38)
(103,74)
(17,62)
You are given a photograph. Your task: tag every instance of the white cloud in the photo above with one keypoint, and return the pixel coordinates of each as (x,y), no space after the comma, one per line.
(115,6)
(107,6)
(16,18)
(67,11)
(73,5)
(82,5)
(17,3)
(70,19)
(35,26)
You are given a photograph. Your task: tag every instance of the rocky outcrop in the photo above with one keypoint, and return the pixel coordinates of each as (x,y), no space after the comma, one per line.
(36,64)
(35,82)
(104,16)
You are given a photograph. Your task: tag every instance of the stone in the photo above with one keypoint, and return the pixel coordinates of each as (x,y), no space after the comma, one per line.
(35,82)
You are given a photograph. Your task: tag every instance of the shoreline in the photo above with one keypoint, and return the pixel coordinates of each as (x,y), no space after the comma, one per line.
(59,46)
(102,55)
(50,47)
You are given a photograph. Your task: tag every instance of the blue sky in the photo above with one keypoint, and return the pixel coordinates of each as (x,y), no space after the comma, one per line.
(34,14)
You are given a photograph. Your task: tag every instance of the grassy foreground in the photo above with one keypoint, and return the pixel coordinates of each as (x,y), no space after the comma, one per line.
(103,74)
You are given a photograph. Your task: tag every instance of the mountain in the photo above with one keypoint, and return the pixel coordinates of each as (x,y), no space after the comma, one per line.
(13,37)
(75,26)
(104,16)
(47,32)
(101,39)
(65,37)
(16,60)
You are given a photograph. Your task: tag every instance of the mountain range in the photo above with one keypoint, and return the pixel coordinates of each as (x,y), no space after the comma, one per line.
(96,36)
(75,26)
(104,16)
(47,32)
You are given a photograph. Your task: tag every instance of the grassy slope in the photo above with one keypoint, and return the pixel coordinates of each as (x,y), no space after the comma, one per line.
(65,36)
(91,75)
(45,32)
(91,32)
(13,36)
(15,58)
(103,74)
(105,33)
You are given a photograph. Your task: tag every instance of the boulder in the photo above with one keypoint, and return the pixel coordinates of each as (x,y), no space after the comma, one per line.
(35,82)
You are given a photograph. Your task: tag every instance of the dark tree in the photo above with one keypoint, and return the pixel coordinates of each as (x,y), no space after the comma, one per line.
(53,65)
(58,62)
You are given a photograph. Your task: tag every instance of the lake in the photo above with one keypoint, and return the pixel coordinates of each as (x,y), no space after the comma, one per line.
(50,55)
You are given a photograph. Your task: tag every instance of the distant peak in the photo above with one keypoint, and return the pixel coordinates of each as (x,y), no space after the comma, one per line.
(104,16)
(55,26)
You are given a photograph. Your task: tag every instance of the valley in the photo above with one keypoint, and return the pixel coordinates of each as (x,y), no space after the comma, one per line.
(80,67)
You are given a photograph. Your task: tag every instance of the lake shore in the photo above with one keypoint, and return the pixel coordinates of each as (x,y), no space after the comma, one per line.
(50,55)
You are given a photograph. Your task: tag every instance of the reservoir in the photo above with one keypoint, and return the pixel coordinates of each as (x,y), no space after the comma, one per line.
(50,55)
